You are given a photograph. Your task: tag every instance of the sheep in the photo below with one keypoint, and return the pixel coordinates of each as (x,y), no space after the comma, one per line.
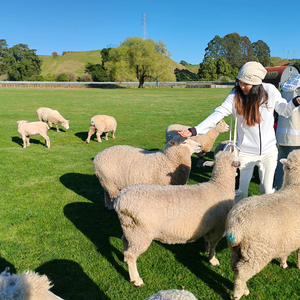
(176,214)
(261,228)
(205,140)
(28,129)
(26,286)
(173,295)
(119,166)
(102,123)
(52,116)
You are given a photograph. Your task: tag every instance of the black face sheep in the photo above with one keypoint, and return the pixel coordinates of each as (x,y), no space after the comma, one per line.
(26,286)
(102,123)
(33,128)
(261,228)
(52,117)
(119,166)
(205,140)
(176,214)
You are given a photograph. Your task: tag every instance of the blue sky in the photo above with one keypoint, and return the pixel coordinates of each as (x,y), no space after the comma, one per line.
(184,27)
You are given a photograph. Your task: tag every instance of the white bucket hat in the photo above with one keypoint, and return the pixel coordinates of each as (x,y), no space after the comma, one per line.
(252,72)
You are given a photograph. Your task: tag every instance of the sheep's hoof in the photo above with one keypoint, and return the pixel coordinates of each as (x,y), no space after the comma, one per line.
(214,261)
(284,265)
(138,283)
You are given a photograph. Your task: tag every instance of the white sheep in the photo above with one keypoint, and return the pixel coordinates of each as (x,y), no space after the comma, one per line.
(261,228)
(33,128)
(205,140)
(102,123)
(52,117)
(176,214)
(26,286)
(172,295)
(119,166)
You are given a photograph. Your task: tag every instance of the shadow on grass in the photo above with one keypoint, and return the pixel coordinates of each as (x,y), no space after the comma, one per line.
(82,135)
(19,141)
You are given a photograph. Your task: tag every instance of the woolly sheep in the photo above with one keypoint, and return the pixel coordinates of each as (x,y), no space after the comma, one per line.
(52,117)
(176,214)
(173,295)
(26,286)
(261,228)
(102,123)
(205,140)
(119,166)
(33,128)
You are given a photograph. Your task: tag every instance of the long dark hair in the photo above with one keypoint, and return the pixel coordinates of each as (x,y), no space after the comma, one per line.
(248,106)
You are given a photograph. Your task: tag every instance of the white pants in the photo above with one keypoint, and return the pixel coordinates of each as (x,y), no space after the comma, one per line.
(266,169)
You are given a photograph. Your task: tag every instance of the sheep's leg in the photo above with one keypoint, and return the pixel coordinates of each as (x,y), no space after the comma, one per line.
(125,242)
(113,135)
(57,130)
(283,263)
(91,132)
(47,139)
(135,248)
(27,141)
(298,258)
(213,239)
(108,201)
(24,139)
(200,160)
(98,135)
(206,245)
(106,136)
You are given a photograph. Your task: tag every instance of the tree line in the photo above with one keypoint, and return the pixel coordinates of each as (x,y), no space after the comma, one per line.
(141,60)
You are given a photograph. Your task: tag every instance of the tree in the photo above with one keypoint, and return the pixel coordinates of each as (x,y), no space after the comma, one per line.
(3,56)
(54,54)
(262,52)
(138,59)
(184,63)
(208,69)
(22,63)
(97,72)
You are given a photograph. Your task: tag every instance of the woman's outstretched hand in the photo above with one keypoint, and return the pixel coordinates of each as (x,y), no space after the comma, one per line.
(184,133)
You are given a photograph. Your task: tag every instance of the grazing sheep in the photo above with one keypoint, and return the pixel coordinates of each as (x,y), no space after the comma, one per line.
(102,123)
(205,140)
(26,286)
(261,228)
(176,214)
(173,295)
(52,117)
(119,166)
(33,128)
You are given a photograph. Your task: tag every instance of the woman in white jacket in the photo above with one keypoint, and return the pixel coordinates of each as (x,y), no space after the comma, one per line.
(252,103)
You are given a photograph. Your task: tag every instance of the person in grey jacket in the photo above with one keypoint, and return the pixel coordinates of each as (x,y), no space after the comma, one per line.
(252,103)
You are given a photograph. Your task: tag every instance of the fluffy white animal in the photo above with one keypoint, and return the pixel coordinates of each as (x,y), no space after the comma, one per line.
(52,117)
(173,295)
(102,123)
(26,130)
(205,140)
(261,228)
(26,286)
(119,166)
(176,214)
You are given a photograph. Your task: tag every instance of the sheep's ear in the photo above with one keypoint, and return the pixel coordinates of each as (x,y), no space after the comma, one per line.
(209,163)
(284,161)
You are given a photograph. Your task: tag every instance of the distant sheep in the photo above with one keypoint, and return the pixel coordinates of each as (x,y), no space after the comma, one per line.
(102,123)
(176,214)
(205,140)
(173,295)
(33,128)
(119,166)
(52,117)
(261,228)
(26,286)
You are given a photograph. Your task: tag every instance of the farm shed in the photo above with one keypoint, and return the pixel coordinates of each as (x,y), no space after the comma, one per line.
(279,75)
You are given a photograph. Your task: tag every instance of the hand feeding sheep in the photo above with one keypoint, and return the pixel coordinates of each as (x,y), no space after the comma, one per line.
(176,214)
(26,130)
(205,140)
(52,117)
(102,123)
(119,166)
(261,228)
(26,286)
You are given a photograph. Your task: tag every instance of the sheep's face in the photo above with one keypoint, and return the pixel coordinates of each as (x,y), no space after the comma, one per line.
(222,126)
(291,168)
(65,124)
(194,146)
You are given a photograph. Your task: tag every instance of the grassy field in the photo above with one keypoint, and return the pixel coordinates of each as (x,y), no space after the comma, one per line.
(52,214)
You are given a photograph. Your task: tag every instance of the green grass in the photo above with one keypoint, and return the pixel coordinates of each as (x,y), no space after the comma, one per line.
(52,214)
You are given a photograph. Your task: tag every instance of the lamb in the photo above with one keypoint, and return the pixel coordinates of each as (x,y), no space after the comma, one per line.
(173,295)
(28,129)
(176,214)
(52,117)
(26,286)
(119,166)
(102,123)
(205,140)
(261,228)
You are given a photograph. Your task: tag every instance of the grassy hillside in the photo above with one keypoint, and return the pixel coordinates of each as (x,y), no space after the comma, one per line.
(193,68)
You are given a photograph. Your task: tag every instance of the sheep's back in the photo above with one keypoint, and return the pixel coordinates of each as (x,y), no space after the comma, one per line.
(104,122)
